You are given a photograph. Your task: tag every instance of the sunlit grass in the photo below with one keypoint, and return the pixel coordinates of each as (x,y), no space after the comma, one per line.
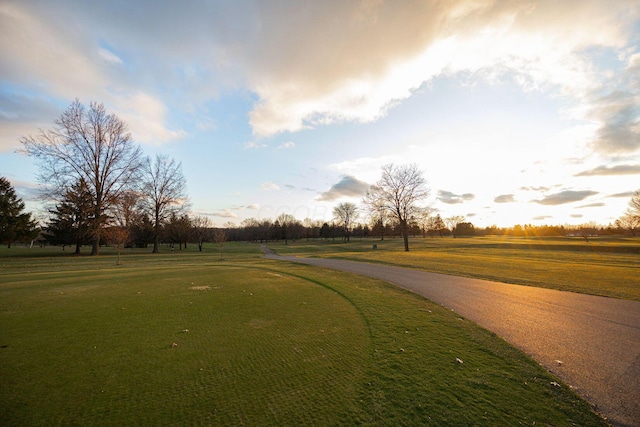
(607,267)
(184,338)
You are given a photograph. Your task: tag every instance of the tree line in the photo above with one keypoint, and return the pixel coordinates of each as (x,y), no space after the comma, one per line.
(100,188)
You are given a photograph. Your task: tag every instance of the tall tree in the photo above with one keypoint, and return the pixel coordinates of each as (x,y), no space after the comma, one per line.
(71,219)
(201,230)
(165,191)
(14,223)
(452,223)
(90,144)
(634,205)
(346,214)
(631,218)
(397,194)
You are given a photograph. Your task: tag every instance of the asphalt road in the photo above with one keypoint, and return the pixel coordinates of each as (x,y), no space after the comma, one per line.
(591,343)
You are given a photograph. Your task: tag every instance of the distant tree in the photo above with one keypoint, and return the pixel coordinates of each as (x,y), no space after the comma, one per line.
(71,219)
(379,219)
(379,228)
(630,221)
(201,230)
(465,229)
(345,215)
(164,189)
(178,229)
(142,231)
(220,237)
(436,225)
(127,210)
(634,205)
(424,219)
(397,195)
(15,224)
(118,237)
(89,144)
(289,227)
(452,223)
(586,230)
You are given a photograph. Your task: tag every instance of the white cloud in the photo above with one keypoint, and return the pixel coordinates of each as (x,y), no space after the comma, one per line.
(333,75)
(146,115)
(286,145)
(109,56)
(270,186)
(252,145)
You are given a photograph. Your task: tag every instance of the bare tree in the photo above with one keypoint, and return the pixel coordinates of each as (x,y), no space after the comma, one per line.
(634,206)
(220,237)
(452,222)
(397,194)
(631,219)
(118,237)
(201,230)
(346,214)
(91,145)
(127,209)
(629,222)
(164,189)
(424,219)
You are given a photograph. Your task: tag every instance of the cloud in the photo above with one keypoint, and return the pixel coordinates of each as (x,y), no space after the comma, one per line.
(454,199)
(270,186)
(567,196)
(253,207)
(611,170)
(375,54)
(593,205)
(109,56)
(252,145)
(353,61)
(505,198)
(625,194)
(541,217)
(225,213)
(348,186)
(535,188)
(146,115)
(618,112)
(286,145)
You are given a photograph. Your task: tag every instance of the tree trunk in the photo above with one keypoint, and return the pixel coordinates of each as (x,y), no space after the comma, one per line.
(156,230)
(405,236)
(95,247)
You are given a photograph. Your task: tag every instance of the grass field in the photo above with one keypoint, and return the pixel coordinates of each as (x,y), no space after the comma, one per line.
(603,266)
(187,339)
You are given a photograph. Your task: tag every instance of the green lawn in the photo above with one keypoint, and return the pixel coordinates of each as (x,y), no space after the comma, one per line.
(607,267)
(187,339)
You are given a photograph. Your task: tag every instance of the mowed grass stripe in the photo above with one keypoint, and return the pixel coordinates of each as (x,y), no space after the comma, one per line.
(260,350)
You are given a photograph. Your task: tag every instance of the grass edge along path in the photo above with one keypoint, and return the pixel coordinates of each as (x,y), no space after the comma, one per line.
(431,367)
(608,268)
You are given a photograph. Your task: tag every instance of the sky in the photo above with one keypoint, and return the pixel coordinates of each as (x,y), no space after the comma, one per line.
(517,112)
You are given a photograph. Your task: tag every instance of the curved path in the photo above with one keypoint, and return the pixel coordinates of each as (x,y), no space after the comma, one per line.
(592,343)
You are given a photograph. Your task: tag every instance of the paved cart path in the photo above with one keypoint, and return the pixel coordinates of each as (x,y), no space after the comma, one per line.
(592,343)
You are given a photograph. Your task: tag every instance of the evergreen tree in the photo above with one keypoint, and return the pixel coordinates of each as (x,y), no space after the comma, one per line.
(72,218)
(15,225)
